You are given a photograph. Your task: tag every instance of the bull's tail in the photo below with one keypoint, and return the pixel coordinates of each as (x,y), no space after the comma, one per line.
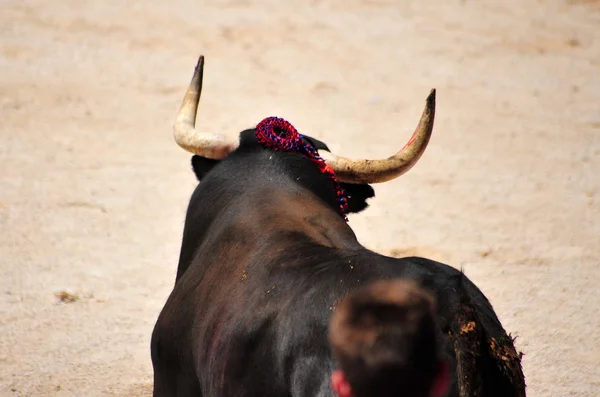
(487,363)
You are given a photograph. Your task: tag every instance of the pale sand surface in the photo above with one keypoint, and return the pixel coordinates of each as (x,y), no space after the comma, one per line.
(93,189)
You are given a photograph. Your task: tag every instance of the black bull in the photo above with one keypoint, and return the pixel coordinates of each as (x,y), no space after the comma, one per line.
(265,257)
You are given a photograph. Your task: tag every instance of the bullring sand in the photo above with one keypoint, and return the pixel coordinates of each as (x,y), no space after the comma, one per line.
(93,189)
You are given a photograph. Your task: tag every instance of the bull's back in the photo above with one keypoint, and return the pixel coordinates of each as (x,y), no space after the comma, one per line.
(264,331)
(471,336)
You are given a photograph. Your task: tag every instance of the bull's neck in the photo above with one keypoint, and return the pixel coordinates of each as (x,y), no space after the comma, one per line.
(272,212)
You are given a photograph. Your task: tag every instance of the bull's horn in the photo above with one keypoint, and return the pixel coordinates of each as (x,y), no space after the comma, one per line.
(208,145)
(376,171)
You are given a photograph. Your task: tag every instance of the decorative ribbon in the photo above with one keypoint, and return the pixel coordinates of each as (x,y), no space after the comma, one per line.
(278,134)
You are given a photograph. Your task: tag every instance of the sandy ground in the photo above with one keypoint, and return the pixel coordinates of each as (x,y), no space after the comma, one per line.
(93,188)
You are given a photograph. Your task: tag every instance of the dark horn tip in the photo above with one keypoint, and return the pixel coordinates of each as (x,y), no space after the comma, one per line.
(431,98)
(198,72)
(430,102)
(200,64)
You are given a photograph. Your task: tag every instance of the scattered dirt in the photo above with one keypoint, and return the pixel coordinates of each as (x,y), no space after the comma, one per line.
(67,297)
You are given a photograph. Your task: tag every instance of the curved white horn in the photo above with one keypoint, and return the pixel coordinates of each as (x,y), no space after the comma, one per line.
(376,171)
(213,146)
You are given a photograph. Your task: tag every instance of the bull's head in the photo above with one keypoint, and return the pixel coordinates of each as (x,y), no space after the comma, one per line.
(216,147)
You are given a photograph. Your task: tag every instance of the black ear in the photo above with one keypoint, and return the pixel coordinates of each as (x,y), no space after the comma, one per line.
(202,166)
(317,144)
(357,196)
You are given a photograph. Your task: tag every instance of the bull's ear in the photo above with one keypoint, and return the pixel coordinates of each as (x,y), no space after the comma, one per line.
(202,166)
(357,196)
(317,144)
